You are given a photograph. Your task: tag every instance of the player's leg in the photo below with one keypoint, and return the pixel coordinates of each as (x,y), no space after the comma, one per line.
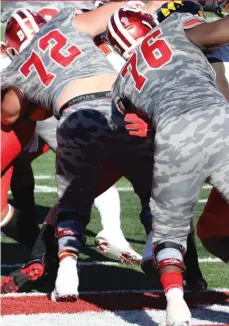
(107,203)
(13,140)
(213,226)
(110,240)
(217,239)
(7,210)
(193,276)
(82,136)
(177,181)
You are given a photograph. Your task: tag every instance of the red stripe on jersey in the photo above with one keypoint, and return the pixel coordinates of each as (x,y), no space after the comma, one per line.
(192,22)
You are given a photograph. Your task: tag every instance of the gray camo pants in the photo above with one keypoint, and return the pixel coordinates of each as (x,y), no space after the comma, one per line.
(189,149)
(46,129)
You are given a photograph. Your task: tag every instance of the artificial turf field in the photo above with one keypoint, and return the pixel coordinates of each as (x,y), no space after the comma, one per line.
(110,293)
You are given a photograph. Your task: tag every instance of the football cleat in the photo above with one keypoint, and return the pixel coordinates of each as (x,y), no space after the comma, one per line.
(67,281)
(116,247)
(24,278)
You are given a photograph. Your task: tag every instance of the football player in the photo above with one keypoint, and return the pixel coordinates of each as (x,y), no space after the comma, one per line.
(14,221)
(110,240)
(91,119)
(164,80)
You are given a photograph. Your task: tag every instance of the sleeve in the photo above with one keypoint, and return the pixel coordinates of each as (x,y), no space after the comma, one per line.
(220,54)
(193,21)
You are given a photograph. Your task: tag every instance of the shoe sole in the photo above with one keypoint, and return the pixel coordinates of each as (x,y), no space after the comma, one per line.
(126,257)
(64,298)
(22,279)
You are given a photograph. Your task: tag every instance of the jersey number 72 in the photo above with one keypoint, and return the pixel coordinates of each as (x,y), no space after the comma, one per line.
(58,52)
(156,53)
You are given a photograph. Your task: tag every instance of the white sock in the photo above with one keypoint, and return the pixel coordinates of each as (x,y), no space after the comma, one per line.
(108,205)
(68,261)
(174,293)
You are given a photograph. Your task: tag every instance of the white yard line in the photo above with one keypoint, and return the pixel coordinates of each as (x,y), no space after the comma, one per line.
(111,263)
(44,177)
(100,292)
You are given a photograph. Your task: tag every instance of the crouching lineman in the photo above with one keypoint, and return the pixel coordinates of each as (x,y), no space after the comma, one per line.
(110,240)
(14,222)
(163,82)
(85,128)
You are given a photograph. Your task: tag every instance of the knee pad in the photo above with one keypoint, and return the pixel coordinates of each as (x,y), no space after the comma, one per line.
(168,253)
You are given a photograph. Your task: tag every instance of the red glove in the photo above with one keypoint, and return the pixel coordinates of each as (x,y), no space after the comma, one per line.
(136,126)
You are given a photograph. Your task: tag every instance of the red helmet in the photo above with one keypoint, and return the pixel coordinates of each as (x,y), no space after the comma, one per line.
(126,29)
(21,28)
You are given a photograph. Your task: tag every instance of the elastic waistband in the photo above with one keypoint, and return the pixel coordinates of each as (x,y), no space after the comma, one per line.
(83,98)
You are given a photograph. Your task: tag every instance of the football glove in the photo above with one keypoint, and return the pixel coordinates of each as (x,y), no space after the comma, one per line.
(136,126)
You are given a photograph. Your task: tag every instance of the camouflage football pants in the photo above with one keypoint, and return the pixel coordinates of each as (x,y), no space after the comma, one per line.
(87,139)
(189,150)
(46,129)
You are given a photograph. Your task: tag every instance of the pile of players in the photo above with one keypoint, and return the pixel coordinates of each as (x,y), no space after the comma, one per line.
(161,123)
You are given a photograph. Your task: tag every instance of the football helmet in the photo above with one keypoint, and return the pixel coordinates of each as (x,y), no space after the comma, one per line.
(21,28)
(5,56)
(170,7)
(126,29)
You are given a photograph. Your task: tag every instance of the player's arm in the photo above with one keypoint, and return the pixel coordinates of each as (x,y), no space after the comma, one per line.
(12,106)
(210,34)
(94,22)
(152,6)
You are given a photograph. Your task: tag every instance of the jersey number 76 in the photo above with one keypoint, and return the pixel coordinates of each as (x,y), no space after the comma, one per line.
(156,53)
(58,52)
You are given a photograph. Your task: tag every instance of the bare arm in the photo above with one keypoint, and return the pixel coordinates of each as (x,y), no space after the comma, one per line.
(11,107)
(152,6)
(210,34)
(221,79)
(94,22)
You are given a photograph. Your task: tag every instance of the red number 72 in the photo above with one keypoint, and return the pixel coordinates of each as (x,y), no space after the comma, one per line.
(57,52)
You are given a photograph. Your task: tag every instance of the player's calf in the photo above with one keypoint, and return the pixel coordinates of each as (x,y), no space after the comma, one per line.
(70,233)
(169,260)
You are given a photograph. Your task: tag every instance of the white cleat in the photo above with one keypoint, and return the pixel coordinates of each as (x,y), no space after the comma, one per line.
(147,261)
(177,312)
(67,281)
(116,247)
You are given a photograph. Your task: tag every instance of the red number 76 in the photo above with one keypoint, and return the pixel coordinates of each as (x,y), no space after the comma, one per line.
(156,53)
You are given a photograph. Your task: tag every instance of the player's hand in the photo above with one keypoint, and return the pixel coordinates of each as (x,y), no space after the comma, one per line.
(136,126)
